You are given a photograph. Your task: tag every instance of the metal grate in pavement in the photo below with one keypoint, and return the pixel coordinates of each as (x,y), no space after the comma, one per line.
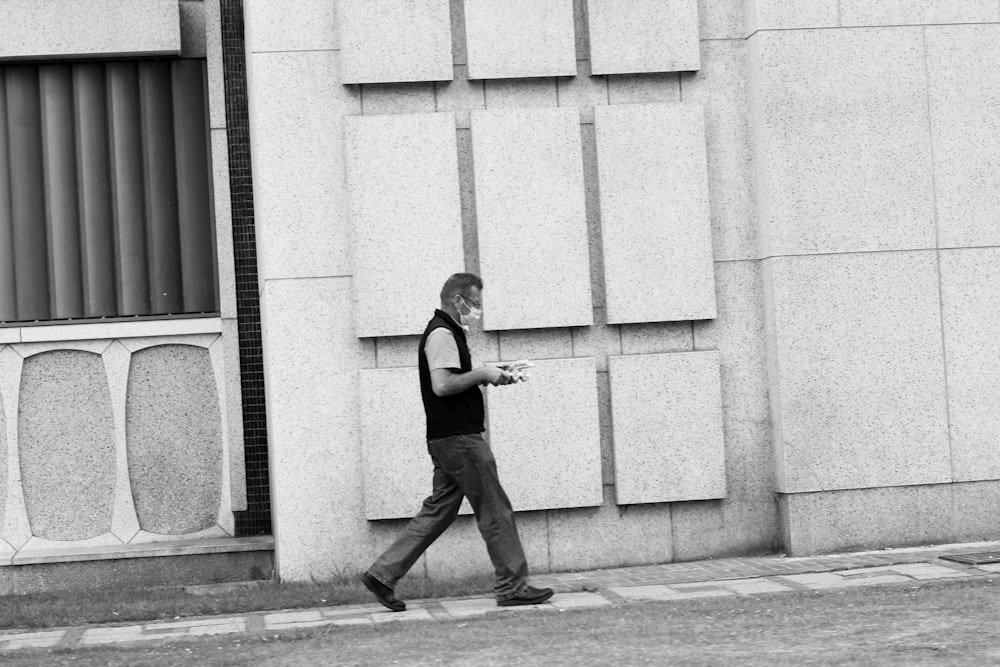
(979,558)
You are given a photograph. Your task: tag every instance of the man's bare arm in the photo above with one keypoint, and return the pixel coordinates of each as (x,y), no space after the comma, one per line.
(445,382)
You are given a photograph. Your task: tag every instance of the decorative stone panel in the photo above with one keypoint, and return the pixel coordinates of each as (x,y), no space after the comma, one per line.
(519,38)
(383,41)
(629,37)
(66,444)
(71,28)
(174,437)
(546,437)
(655,224)
(532,225)
(666,410)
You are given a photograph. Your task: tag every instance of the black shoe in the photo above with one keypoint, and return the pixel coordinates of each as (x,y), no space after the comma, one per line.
(529,595)
(383,593)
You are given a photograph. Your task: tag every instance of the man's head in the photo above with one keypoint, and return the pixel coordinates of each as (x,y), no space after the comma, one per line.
(461,298)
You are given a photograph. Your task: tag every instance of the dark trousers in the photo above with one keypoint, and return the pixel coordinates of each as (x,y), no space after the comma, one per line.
(463,467)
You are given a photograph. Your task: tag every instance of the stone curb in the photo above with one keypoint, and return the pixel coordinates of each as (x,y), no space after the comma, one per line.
(671,582)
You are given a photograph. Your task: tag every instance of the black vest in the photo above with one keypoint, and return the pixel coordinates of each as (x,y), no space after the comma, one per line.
(458,414)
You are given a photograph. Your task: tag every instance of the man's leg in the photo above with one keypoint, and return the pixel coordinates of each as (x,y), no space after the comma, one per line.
(471,462)
(438,512)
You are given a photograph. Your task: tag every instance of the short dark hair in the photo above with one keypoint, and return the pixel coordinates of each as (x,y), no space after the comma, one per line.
(460,283)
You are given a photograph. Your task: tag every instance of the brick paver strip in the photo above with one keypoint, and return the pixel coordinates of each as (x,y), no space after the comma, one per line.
(671,581)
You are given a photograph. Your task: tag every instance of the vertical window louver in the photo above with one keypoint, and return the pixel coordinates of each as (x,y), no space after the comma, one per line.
(105,191)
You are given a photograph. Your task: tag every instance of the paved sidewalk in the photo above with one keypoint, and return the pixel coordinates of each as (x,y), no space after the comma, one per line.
(596,588)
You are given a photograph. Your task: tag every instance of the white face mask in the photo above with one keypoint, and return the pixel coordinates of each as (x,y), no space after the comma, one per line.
(470,318)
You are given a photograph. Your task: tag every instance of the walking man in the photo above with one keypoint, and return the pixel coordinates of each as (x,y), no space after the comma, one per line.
(463,462)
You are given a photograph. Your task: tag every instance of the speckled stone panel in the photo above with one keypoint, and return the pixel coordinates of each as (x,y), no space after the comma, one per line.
(174,434)
(655,224)
(406,215)
(843,154)
(395,40)
(666,410)
(397,469)
(902,12)
(546,438)
(532,227)
(631,37)
(90,28)
(970,290)
(66,445)
(963,69)
(519,38)
(857,371)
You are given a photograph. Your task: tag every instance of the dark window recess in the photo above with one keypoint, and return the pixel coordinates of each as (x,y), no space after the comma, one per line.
(256,520)
(105,191)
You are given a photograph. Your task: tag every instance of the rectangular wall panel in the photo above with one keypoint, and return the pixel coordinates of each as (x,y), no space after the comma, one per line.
(519,38)
(532,226)
(89,28)
(546,437)
(397,469)
(386,41)
(655,225)
(628,37)
(668,437)
(402,180)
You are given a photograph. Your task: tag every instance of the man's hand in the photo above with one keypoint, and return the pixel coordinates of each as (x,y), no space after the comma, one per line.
(497,376)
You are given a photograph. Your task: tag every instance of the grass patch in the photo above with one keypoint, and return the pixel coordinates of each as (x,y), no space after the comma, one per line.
(119,605)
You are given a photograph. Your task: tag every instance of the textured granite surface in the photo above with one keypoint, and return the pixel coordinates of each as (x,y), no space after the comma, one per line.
(174,439)
(667,415)
(317,494)
(859,519)
(628,535)
(394,40)
(405,215)
(720,86)
(858,384)
(66,445)
(313,26)
(843,154)
(655,224)
(298,178)
(970,291)
(531,215)
(902,12)
(91,28)
(632,37)
(397,98)
(963,72)
(519,38)
(397,468)
(779,14)
(4,468)
(545,436)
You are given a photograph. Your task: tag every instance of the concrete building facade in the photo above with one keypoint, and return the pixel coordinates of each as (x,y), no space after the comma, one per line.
(751,247)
